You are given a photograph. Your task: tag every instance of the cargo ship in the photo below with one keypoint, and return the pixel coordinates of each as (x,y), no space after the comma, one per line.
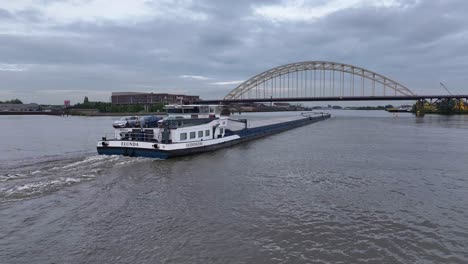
(192,129)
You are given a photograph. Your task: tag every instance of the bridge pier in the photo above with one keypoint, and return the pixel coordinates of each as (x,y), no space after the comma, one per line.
(420,108)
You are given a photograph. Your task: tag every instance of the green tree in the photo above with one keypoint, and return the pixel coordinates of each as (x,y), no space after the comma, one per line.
(158,107)
(86,100)
(136,108)
(12,101)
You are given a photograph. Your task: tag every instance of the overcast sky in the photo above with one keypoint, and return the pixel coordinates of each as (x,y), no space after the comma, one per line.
(51,50)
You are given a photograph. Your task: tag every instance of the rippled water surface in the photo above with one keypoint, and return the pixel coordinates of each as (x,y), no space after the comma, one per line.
(361,187)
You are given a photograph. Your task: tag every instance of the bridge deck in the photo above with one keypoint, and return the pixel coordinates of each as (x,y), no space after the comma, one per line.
(335,98)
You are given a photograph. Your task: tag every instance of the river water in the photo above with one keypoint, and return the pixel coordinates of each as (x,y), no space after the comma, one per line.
(360,187)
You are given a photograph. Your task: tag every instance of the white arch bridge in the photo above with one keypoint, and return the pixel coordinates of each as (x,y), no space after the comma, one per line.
(321,81)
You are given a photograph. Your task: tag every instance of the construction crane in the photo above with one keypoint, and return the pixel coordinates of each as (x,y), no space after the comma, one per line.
(459,104)
(442,85)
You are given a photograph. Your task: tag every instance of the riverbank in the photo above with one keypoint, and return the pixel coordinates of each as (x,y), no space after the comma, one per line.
(30,113)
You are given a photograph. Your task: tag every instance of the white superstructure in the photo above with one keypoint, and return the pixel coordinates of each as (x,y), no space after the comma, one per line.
(185,126)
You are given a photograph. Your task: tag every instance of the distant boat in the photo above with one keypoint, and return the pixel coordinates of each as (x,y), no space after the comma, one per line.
(401,109)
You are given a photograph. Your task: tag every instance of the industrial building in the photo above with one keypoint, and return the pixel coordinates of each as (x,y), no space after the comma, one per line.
(122,98)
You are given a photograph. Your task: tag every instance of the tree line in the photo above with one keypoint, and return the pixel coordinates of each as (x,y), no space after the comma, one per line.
(12,101)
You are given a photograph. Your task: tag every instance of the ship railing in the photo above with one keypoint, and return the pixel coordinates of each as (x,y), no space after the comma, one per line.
(131,136)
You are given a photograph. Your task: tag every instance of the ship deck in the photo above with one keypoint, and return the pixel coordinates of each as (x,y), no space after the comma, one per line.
(255,121)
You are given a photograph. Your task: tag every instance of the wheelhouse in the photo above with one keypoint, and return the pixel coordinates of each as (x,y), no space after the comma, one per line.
(193,111)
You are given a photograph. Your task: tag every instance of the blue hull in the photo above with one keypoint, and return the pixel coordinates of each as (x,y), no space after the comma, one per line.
(133,152)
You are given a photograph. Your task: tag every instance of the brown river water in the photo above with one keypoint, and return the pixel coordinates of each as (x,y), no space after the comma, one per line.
(361,187)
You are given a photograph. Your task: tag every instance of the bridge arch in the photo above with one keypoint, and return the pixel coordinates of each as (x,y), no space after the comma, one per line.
(317,79)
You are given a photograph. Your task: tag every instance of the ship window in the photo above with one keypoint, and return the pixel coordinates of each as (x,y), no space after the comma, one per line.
(192,135)
(200,134)
(183,136)
(195,110)
(221,130)
(175,111)
(207,133)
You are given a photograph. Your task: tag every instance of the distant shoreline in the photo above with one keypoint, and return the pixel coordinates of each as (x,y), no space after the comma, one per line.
(30,113)
(117,114)
(37,113)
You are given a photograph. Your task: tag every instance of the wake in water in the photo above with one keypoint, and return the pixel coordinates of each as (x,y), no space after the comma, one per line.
(36,179)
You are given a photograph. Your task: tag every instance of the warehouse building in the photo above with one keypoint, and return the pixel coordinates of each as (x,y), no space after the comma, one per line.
(121,98)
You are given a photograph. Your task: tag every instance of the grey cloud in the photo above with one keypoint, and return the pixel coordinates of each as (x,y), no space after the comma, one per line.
(418,45)
(4,14)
